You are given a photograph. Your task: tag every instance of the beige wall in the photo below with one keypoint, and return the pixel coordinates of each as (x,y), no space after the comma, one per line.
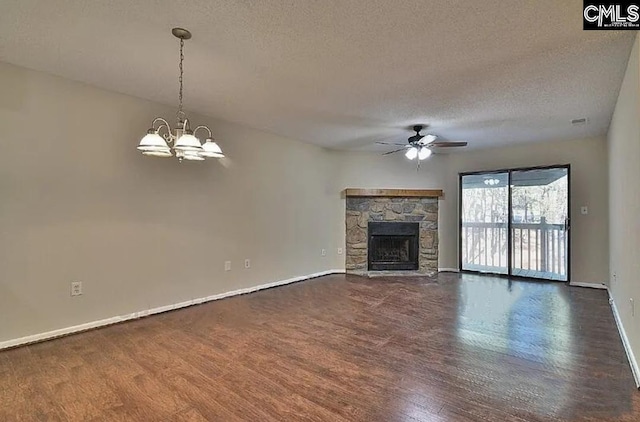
(80,203)
(588,159)
(624,174)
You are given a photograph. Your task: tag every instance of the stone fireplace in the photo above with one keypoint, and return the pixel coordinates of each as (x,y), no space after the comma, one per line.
(392,230)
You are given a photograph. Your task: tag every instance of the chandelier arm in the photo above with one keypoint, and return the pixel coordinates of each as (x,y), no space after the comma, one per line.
(163,124)
(203,127)
(168,136)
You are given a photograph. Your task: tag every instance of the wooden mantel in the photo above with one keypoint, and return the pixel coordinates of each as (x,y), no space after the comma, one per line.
(420,193)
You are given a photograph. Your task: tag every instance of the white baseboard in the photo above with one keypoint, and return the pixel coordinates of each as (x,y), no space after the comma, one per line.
(635,370)
(448,270)
(590,285)
(120,318)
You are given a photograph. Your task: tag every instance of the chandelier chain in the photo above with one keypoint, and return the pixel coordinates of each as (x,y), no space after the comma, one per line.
(180,113)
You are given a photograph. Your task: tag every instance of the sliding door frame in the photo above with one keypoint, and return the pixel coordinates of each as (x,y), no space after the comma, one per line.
(509,171)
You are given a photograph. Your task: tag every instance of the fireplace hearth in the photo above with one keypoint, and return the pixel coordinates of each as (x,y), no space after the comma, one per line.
(393,246)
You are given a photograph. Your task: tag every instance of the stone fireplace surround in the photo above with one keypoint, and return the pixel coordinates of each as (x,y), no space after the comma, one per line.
(391,205)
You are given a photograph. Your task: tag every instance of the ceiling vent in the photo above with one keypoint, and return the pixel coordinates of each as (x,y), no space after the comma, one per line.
(579,122)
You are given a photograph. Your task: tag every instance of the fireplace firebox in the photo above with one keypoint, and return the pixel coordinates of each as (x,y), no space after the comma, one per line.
(393,246)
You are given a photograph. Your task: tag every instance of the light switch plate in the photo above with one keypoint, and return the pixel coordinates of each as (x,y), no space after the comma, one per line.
(584,210)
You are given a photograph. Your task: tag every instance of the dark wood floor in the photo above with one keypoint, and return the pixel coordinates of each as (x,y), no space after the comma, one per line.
(339,348)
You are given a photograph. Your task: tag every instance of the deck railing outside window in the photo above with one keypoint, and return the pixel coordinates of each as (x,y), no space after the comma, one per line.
(538,247)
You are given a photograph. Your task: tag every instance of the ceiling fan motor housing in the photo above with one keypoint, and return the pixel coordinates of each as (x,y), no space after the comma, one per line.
(416,138)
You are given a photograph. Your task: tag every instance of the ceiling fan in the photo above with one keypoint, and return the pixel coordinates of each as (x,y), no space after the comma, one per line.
(419,146)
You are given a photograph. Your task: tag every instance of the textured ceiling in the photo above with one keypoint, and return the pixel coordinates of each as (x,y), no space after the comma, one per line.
(340,73)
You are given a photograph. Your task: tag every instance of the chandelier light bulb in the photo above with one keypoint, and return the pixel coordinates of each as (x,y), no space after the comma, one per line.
(411,153)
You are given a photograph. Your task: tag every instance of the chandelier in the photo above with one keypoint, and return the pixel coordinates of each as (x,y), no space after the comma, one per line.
(162,141)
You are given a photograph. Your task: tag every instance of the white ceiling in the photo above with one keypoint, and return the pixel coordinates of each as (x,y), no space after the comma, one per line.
(340,73)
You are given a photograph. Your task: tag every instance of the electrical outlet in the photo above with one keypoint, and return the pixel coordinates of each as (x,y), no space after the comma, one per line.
(227,265)
(76,288)
(339,251)
(323,252)
(247,263)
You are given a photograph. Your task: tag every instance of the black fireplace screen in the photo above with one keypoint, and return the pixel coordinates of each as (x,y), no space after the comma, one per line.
(390,249)
(393,246)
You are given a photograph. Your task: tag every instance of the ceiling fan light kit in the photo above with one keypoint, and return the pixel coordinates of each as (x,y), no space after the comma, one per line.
(424,153)
(421,153)
(411,153)
(180,142)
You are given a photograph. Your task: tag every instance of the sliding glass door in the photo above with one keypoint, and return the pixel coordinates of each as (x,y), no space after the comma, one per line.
(539,223)
(484,220)
(516,222)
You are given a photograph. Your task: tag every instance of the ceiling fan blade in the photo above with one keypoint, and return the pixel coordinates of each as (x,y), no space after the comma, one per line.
(397,150)
(444,144)
(390,143)
(427,139)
